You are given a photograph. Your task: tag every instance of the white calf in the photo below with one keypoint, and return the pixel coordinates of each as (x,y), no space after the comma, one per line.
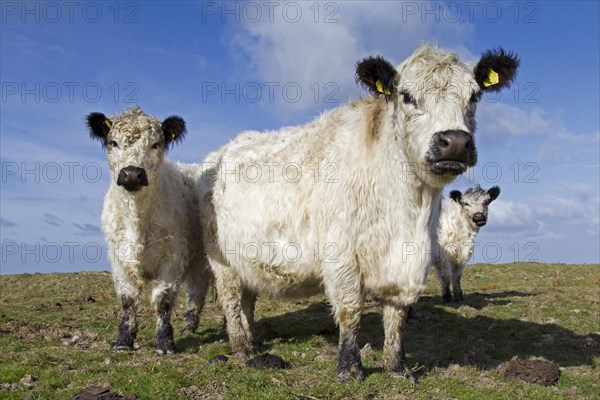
(461,218)
(150,221)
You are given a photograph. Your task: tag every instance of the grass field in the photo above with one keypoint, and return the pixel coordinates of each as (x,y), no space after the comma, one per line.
(58,329)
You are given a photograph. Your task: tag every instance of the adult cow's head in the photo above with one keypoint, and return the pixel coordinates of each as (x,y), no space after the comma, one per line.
(435,95)
(135,144)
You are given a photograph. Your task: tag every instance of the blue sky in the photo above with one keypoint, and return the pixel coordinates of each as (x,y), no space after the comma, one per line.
(227,67)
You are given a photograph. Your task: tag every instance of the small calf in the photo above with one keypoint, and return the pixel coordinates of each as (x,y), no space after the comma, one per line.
(150,220)
(461,218)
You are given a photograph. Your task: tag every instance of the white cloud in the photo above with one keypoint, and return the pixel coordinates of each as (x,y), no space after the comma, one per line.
(506,120)
(546,214)
(312,51)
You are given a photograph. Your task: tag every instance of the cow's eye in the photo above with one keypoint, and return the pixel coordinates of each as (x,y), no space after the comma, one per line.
(156,145)
(407,98)
(113,143)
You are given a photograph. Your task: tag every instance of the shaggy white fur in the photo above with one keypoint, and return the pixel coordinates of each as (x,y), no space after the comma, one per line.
(149,220)
(348,203)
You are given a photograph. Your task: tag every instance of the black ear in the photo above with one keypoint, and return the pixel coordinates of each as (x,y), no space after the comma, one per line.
(494,192)
(377,75)
(98,126)
(496,69)
(174,130)
(456,195)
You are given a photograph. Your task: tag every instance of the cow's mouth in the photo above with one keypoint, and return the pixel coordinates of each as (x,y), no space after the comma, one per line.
(133,187)
(448,167)
(480,223)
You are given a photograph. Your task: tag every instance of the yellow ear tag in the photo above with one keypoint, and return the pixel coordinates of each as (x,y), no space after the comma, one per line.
(172,136)
(107,123)
(492,78)
(380,88)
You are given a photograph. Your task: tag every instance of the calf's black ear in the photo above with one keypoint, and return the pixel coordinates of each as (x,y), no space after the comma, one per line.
(174,130)
(456,195)
(496,69)
(494,192)
(98,126)
(377,75)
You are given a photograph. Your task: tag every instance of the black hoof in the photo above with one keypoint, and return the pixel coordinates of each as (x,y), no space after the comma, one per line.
(164,340)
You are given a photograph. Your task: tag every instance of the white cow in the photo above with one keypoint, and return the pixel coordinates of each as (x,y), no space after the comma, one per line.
(349,202)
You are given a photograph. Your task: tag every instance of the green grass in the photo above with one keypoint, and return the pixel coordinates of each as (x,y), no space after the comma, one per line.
(52,330)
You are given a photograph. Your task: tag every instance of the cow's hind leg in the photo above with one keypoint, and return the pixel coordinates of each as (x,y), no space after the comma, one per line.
(346,295)
(444,274)
(196,284)
(456,289)
(230,290)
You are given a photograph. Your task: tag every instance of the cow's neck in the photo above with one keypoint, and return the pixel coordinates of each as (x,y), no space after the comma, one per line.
(139,204)
(420,199)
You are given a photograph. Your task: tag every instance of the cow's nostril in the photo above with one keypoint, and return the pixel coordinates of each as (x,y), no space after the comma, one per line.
(470,144)
(443,142)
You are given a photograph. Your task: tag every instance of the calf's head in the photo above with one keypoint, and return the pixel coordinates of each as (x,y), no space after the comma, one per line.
(474,203)
(434,96)
(135,144)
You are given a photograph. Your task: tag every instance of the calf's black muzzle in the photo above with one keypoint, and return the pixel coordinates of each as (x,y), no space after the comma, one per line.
(479,219)
(132,178)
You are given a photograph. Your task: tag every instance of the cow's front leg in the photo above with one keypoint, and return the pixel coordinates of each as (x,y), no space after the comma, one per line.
(164,296)
(394,359)
(128,326)
(247,314)
(128,293)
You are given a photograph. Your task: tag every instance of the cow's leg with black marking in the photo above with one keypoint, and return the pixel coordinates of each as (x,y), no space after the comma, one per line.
(128,326)
(197,283)
(164,296)
(346,296)
(230,291)
(394,359)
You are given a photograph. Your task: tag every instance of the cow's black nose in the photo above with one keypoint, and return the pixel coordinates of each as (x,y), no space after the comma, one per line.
(480,219)
(454,145)
(132,178)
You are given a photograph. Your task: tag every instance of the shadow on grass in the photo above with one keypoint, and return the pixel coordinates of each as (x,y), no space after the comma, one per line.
(481,300)
(440,337)
(192,341)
